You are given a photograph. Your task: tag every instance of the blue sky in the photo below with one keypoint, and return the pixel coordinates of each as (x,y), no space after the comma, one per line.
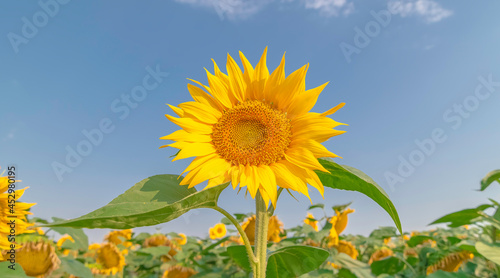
(68,67)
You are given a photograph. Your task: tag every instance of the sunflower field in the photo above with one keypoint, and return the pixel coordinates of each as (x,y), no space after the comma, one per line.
(317,248)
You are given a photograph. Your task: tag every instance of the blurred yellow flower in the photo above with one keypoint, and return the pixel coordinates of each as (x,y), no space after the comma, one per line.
(339,223)
(380,255)
(10,210)
(94,246)
(178,271)
(451,263)
(274,229)
(254,129)
(218,231)
(347,248)
(182,239)
(38,259)
(311,221)
(120,237)
(63,239)
(39,231)
(110,259)
(406,237)
(162,240)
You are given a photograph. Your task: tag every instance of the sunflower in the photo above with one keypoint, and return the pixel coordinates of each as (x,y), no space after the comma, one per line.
(181,240)
(109,259)
(274,230)
(254,129)
(311,221)
(8,212)
(347,248)
(380,255)
(178,271)
(120,237)
(61,241)
(218,231)
(38,259)
(162,240)
(451,263)
(339,223)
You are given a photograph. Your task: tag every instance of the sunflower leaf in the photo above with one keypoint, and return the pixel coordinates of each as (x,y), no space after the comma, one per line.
(11,270)
(489,179)
(348,178)
(154,200)
(293,261)
(489,251)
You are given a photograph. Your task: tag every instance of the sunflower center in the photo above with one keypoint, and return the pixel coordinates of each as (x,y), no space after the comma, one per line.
(252,133)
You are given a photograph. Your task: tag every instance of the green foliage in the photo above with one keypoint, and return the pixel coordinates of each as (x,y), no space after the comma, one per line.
(490,178)
(152,201)
(293,261)
(348,178)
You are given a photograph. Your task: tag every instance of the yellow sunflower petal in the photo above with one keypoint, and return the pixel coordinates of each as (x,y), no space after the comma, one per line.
(191,125)
(201,96)
(236,80)
(201,112)
(303,158)
(182,135)
(176,110)
(219,90)
(192,149)
(305,102)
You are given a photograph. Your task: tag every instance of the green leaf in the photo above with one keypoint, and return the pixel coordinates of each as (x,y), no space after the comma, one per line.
(341,207)
(316,206)
(462,217)
(293,261)
(348,178)
(154,251)
(157,199)
(80,238)
(391,265)
(416,240)
(72,266)
(358,268)
(489,179)
(383,232)
(240,256)
(5,271)
(489,251)
(444,274)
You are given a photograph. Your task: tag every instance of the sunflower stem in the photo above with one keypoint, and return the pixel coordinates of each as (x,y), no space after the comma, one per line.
(248,246)
(262,223)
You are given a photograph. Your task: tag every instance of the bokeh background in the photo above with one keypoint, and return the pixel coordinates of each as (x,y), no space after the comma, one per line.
(404,68)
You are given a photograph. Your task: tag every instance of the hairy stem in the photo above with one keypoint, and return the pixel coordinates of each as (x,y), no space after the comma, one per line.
(262,223)
(248,246)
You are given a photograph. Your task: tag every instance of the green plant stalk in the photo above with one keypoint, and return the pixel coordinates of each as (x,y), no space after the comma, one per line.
(261,226)
(494,240)
(253,260)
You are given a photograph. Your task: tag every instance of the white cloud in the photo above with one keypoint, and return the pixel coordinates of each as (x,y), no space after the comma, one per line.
(232,9)
(428,10)
(330,7)
(241,9)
